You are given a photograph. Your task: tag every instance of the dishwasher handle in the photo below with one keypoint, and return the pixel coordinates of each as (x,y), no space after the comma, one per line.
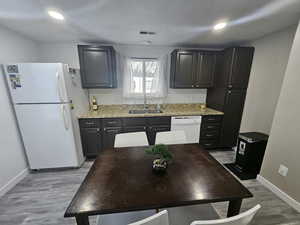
(185,120)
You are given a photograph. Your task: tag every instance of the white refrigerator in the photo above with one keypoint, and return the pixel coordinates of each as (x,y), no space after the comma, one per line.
(47,100)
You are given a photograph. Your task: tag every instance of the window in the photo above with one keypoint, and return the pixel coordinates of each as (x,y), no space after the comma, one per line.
(144,77)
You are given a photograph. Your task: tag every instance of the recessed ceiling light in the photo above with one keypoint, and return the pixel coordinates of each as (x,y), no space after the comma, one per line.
(143,32)
(56,15)
(220,26)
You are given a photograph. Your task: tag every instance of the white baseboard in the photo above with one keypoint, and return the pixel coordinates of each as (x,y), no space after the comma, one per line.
(4,189)
(281,194)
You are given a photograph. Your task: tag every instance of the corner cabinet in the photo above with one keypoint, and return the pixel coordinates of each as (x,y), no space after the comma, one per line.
(97,66)
(192,68)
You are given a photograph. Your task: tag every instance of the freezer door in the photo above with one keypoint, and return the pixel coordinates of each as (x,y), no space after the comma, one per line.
(47,134)
(36,82)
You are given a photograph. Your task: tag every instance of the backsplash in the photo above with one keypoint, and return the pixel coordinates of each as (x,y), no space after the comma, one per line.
(115,96)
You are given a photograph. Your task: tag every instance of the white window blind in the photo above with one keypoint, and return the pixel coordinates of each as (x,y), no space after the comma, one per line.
(144,77)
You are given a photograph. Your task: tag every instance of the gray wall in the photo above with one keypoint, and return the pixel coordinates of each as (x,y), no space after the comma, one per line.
(267,73)
(12,159)
(67,53)
(284,143)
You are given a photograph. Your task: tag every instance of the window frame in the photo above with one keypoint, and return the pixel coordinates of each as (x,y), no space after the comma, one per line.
(144,61)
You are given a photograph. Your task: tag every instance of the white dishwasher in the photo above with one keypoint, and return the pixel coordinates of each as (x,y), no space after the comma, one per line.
(190,125)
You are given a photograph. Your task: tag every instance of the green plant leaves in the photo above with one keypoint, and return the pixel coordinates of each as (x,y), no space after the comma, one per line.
(160,150)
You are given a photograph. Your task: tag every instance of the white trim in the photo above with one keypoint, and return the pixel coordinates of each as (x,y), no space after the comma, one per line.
(281,194)
(10,184)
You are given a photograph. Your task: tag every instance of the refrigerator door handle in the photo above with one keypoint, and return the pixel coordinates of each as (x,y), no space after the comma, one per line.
(63,112)
(58,86)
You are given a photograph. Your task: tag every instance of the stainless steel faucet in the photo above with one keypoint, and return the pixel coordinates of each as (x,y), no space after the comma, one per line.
(145,101)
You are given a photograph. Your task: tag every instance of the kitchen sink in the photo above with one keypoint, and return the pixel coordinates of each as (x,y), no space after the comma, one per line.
(144,111)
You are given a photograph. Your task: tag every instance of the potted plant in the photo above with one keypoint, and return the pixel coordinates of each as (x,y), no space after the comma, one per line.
(160,165)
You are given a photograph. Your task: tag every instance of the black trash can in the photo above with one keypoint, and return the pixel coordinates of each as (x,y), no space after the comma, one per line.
(249,155)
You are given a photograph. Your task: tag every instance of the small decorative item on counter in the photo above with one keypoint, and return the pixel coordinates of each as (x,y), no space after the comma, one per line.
(94,104)
(203,106)
(160,165)
(158,107)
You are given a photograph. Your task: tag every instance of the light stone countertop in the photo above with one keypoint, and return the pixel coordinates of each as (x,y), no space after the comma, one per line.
(113,111)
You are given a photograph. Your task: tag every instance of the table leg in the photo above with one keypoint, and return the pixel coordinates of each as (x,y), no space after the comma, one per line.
(82,220)
(234,207)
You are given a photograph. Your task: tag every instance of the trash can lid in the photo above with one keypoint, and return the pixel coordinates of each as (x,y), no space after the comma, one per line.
(254,136)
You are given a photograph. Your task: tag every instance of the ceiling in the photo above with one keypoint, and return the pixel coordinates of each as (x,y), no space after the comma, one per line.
(176,22)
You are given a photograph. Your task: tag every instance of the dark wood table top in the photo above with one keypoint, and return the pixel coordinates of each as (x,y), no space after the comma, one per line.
(122,180)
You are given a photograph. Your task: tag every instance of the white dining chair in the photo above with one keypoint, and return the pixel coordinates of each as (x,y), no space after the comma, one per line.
(241,219)
(160,218)
(131,139)
(124,218)
(171,137)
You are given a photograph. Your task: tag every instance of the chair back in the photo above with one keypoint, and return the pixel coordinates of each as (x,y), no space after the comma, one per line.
(171,137)
(131,139)
(160,218)
(241,219)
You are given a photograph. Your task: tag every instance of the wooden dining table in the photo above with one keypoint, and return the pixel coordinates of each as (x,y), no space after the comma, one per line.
(122,180)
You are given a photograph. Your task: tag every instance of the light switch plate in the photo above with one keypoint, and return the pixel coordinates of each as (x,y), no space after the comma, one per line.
(283,170)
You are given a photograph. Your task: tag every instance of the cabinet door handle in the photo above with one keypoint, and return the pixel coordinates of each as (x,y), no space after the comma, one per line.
(111,122)
(230,86)
(207,144)
(209,135)
(210,126)
(89,123)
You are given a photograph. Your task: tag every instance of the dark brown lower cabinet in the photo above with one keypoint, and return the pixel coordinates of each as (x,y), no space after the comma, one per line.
(233,111)
(210,131)
(109,134)
(152,130)
(91,141)
(97,134)
(231,102)
(134,129)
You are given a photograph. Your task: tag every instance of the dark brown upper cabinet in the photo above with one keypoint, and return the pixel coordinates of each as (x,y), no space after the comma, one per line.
(192,69)
(183,66)
(97,66)
(235,68)
(205,73)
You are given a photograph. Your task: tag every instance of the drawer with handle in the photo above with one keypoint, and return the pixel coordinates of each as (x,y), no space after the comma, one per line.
(212,119)
(209,143)
(89,123)
(114,122)
(159,120)
(134,129)
(138,121)
(209,134)
(210,126)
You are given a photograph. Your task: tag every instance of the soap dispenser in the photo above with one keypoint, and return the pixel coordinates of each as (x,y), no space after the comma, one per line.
(95,106)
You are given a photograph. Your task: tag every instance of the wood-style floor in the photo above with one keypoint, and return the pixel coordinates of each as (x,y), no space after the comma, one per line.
(42,198)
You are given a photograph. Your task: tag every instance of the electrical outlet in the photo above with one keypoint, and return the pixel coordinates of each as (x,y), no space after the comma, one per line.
(283,170)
